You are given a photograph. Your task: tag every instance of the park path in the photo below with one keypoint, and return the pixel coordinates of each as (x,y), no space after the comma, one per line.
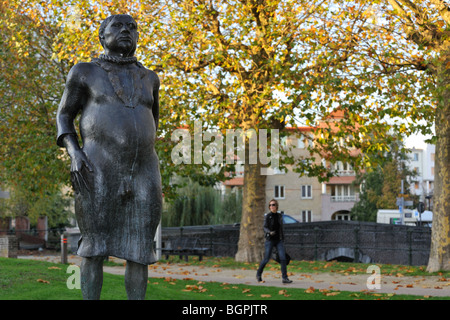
(427,286)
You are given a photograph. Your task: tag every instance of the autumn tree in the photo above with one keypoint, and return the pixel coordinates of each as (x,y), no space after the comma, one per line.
(380,188)
(419,60)
(30,85)
(268,64)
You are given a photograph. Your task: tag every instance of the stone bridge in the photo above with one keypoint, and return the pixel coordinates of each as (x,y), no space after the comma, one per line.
(328,240)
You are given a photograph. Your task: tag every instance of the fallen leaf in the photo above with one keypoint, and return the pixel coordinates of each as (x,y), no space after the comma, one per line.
(42,281)
(193,287)
(310,290)
(246,290)
(266,296)
(334,293)
(54,268)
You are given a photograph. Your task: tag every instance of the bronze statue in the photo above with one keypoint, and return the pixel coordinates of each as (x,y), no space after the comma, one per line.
(115,173)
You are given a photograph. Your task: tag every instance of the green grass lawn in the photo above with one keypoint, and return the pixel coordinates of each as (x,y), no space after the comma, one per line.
(38,280)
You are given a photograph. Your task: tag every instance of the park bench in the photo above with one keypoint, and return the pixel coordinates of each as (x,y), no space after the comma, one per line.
(185,247)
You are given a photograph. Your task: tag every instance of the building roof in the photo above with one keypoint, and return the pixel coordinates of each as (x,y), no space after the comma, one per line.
(341,180)
(237,181)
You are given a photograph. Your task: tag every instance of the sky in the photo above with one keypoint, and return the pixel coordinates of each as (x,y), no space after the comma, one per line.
(416,141)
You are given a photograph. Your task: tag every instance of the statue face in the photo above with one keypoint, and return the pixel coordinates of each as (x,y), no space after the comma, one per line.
(120,36)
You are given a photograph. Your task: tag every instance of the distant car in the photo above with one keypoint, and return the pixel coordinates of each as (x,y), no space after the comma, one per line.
(287,219)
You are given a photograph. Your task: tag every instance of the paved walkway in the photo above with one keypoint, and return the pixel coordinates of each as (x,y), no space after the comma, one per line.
(415,285)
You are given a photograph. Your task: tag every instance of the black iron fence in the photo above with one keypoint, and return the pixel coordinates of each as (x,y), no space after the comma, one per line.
(326,240)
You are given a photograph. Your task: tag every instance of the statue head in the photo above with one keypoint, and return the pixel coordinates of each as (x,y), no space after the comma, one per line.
(118,35)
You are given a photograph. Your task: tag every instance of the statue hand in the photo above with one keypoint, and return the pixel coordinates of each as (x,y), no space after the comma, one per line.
(79,159)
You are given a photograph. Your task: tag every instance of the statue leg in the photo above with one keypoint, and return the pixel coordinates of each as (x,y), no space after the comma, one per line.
(136,277)
(92,277)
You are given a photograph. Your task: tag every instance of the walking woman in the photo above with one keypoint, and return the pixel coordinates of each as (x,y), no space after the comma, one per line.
(273,231)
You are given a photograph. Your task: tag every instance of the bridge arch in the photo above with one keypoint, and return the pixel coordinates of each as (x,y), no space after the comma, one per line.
(347,255)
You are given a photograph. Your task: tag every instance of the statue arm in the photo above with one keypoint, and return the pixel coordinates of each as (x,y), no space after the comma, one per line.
(155,108)
(72,101)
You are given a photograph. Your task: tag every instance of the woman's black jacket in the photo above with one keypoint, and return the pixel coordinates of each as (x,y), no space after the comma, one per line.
(269,225)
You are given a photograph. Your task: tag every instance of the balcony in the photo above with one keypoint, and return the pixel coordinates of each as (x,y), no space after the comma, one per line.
(332,204)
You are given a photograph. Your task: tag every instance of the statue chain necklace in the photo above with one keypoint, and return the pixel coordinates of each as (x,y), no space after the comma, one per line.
(126,82)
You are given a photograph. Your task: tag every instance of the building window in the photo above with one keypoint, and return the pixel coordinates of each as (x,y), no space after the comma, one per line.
(279,192)
(342,216)
(306,216)
(307,192)
(305,141)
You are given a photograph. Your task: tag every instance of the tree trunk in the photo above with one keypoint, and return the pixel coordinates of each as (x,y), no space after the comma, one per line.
(440,235)
(251,238)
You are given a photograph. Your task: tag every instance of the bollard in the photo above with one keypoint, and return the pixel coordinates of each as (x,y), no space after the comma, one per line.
(63,249)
